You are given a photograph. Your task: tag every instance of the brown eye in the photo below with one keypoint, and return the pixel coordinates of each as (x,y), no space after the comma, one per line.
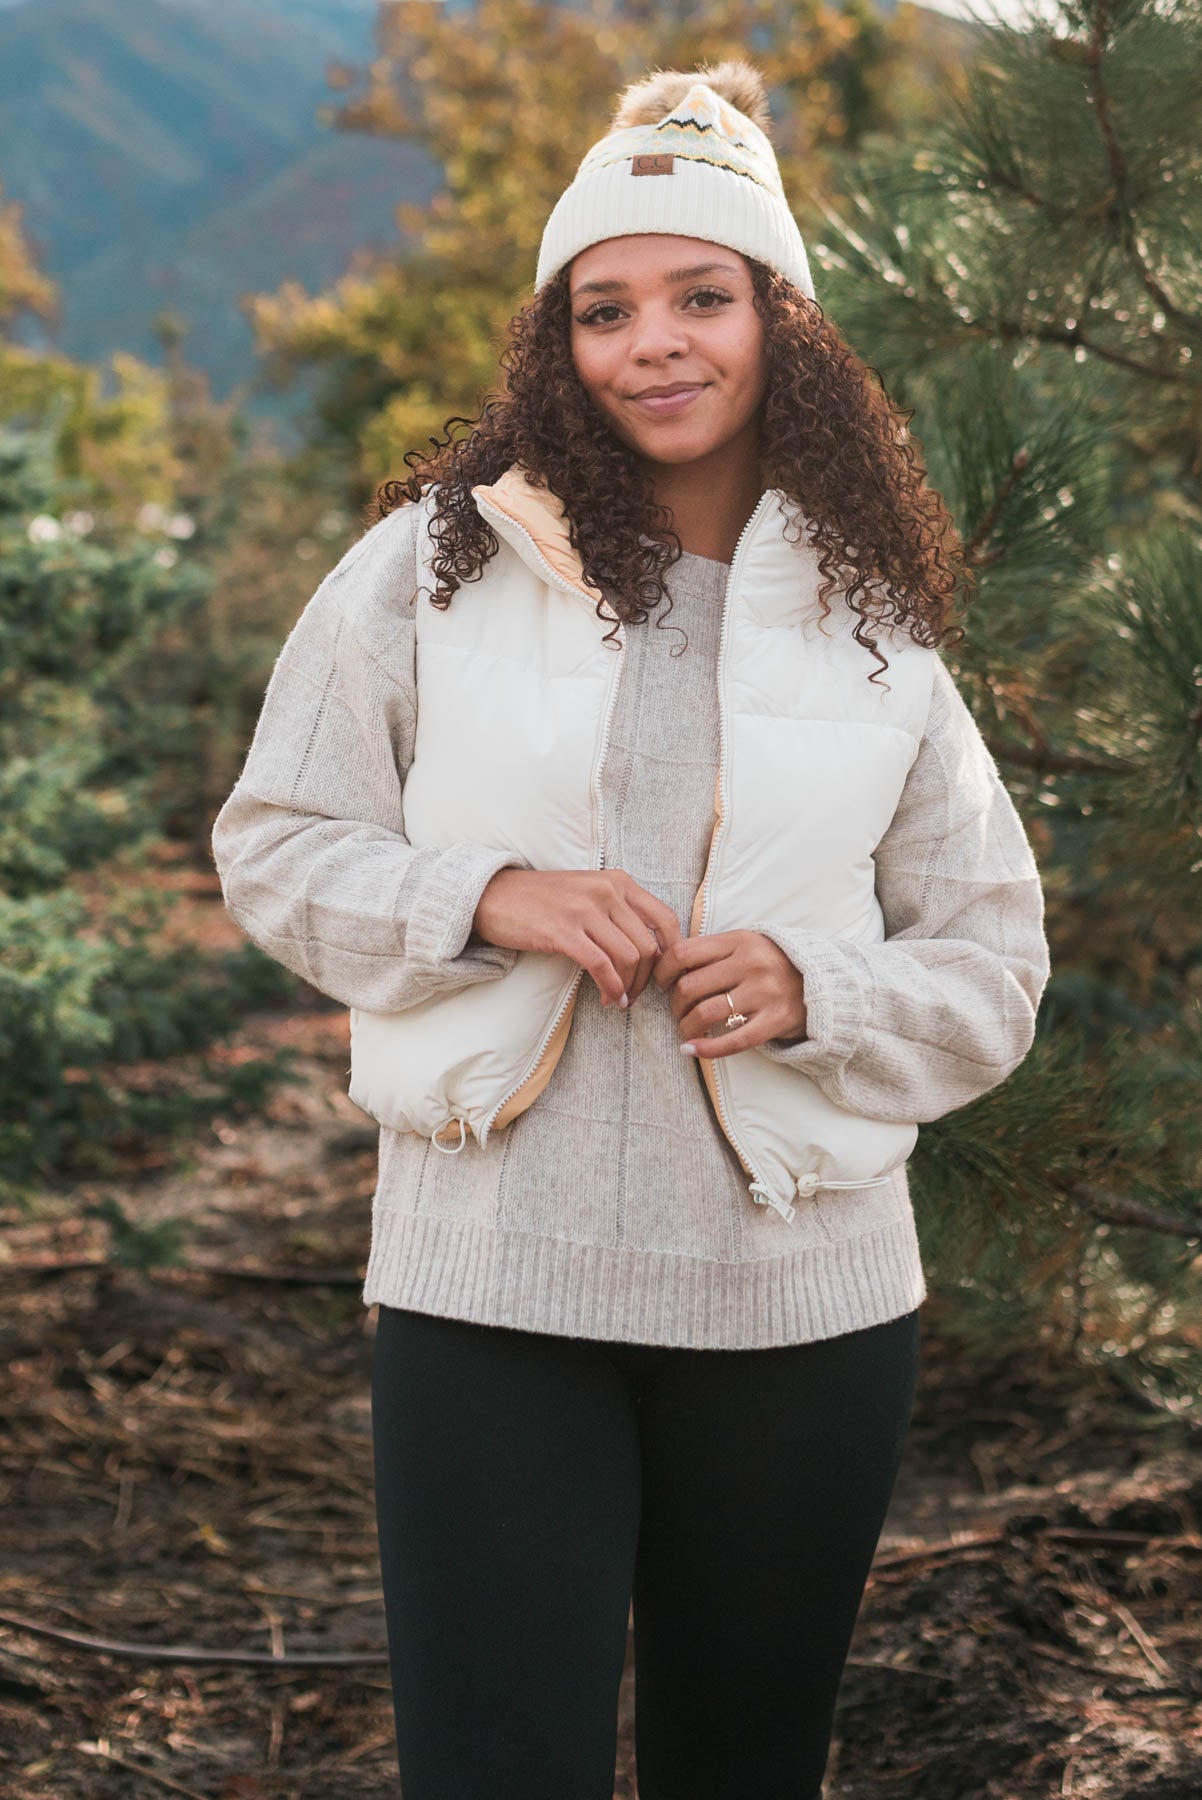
(593,316)
(710,294)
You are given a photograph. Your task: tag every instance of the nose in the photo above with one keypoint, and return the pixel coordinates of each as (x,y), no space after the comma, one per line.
(658,334)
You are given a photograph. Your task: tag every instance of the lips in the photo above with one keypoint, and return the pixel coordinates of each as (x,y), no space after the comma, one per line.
(674,399)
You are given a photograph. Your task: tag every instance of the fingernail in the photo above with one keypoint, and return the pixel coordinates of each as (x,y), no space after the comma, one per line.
(687,1050)
(624,1000)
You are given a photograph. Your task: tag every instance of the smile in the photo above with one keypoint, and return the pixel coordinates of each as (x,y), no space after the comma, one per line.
(661,405)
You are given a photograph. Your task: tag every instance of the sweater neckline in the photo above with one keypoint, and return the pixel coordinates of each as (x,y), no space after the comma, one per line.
(701,562)
(703,578)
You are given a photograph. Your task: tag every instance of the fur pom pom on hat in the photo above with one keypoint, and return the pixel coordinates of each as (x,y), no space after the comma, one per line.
(647,101)
(701,142)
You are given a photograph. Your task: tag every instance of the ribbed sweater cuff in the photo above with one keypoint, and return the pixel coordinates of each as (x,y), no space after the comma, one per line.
(440,918)
(838,995)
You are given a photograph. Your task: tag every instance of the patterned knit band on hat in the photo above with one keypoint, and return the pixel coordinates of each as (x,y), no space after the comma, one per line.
(686,154)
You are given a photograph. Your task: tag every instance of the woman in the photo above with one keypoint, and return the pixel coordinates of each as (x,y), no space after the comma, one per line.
(647,1322)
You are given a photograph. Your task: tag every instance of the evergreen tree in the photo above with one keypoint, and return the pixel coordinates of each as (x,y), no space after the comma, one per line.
(98,616)
(85,984)
(1027,280)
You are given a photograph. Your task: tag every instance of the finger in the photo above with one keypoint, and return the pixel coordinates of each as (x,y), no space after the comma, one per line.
(665,921)
(622,953)
(697,986)
(729,1043)
(645,943)
(595,960)
(709,1014)
(625,891)
(670,935)
(692,953)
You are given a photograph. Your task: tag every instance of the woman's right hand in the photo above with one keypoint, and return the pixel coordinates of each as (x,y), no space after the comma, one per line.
(601,918)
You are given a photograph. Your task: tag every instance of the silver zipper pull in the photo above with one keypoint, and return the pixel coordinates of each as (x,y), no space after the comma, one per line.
(764,1197)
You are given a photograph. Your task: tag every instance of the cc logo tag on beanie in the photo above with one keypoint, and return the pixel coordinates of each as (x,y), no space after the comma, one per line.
(651,165)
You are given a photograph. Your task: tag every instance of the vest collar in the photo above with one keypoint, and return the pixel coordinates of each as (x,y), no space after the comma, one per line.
(533,521)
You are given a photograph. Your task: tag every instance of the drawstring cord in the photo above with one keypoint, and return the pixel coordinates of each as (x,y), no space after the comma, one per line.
(807,1184)
(448,1149)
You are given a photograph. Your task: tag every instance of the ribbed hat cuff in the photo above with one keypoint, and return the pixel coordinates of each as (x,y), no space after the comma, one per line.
(696,200)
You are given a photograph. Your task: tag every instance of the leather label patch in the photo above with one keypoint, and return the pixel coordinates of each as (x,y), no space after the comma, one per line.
(651,165)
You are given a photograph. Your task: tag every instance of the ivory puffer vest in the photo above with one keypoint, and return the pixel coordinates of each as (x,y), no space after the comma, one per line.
(516,691)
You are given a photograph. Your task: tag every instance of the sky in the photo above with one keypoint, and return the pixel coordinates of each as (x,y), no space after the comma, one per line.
(1013,12)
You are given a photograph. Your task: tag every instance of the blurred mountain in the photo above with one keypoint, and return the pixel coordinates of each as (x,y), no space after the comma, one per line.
(167,152)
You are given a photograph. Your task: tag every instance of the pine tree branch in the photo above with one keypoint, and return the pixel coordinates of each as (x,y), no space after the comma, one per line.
(974,548)
(1011,330)
(1117,161)
(1115,1211)
(1113,204)
(1037,757)
(1057,762)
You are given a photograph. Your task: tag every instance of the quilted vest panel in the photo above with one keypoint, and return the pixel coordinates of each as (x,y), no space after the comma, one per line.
(515,687)
(814,759)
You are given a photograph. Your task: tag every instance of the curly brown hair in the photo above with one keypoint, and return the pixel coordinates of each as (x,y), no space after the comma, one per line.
(831,440)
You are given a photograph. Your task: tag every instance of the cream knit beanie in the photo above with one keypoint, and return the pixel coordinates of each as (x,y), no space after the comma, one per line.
(699,141)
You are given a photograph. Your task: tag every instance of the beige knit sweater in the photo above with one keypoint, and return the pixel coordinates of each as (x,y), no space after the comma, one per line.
(615,1207)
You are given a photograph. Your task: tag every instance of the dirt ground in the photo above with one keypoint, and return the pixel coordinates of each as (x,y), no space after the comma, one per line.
(186,1461)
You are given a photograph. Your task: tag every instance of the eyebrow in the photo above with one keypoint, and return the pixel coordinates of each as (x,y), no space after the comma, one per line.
(613,287)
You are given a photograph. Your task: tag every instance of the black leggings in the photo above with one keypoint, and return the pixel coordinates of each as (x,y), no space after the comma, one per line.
(529,1487)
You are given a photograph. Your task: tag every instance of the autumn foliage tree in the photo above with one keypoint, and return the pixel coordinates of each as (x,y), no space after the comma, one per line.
(506,95)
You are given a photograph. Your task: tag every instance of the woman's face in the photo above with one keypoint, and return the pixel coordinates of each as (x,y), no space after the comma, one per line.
(668,343)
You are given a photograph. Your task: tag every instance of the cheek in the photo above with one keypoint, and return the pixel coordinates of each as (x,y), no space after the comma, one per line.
(747,361)
(592,366)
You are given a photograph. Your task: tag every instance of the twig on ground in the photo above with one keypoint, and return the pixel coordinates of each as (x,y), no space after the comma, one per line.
(190,1653)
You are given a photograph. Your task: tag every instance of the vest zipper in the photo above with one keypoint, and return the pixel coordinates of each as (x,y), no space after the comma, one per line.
(599,858)
(760,1190)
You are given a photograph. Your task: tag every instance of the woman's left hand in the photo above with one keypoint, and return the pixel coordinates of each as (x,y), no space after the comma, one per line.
(698,974)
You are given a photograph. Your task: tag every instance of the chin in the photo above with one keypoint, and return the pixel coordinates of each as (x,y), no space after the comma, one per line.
(676,447)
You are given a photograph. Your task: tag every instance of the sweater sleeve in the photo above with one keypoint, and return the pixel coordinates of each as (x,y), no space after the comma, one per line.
(310,845)
(944,1009)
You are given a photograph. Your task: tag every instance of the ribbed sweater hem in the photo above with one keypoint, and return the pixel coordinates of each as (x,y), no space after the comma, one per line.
(463,1269)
